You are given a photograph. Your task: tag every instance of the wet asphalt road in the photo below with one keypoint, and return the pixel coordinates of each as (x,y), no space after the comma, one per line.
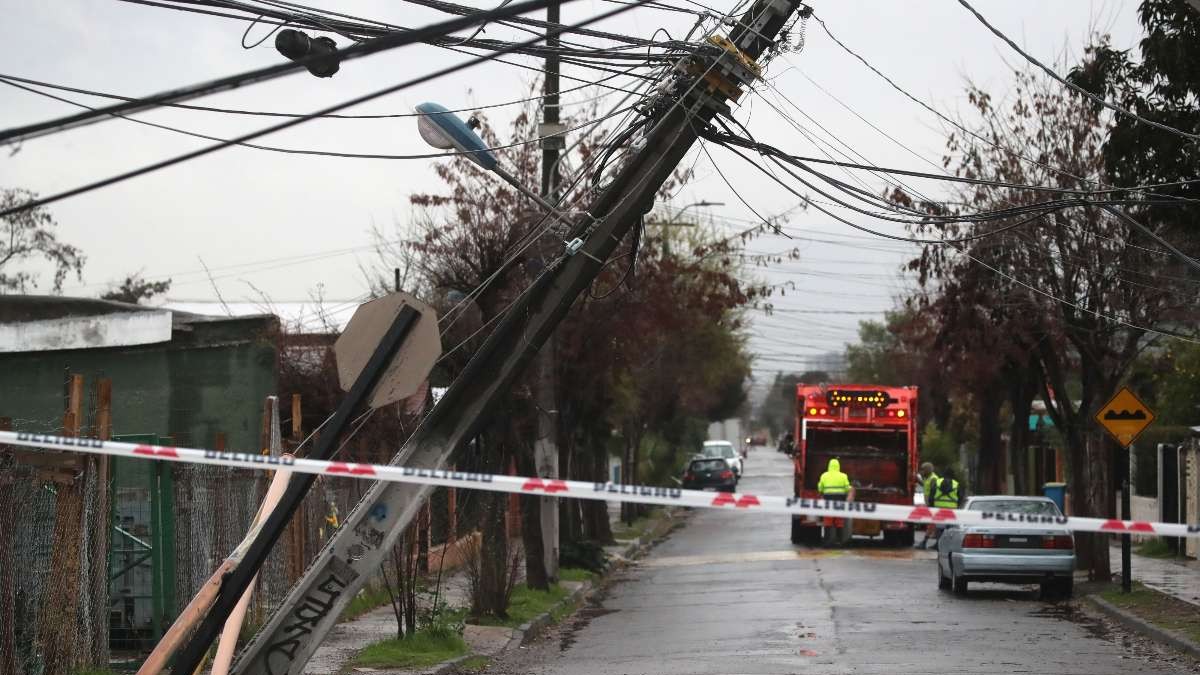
(729,593)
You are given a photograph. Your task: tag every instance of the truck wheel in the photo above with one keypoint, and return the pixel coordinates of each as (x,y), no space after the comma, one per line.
(908,537)
(797,531)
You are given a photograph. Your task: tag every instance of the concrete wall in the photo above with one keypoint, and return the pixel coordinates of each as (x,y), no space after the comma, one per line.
(211,377)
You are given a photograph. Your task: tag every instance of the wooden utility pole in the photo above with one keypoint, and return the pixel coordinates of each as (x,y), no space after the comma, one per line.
(545,447)
(688,99)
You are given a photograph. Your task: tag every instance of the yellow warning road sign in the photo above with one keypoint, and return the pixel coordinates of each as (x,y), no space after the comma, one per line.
(1125,417)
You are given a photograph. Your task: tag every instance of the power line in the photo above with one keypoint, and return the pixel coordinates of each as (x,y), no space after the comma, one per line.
(262,113)
(321,153)
(403,39)
(384,43)
(973,134)
(1071,85)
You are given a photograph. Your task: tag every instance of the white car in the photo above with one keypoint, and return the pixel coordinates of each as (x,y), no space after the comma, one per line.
(726,451)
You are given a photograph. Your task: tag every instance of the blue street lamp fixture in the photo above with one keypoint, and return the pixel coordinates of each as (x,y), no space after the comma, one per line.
(445,130)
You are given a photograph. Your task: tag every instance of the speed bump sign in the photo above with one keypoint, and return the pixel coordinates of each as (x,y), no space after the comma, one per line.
(1125,417)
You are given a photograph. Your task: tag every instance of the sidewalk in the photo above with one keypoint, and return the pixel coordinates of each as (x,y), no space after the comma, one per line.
(347,639)
(1177,578)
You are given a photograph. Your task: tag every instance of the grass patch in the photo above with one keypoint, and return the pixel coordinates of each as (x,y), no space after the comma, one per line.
(414,651)
(526,604)
(369,598)
(575,574)
(95,671)
(1154,548)
(637,528)
(473,664)
(1157,608)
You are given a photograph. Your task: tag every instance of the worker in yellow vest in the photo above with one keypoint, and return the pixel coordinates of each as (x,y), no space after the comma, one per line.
(946,495)
(835,486)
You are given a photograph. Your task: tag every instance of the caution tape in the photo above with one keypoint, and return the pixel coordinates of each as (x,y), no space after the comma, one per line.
(638,494)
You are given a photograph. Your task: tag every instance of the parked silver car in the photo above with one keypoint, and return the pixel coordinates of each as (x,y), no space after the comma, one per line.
(1042,552)
(726,451)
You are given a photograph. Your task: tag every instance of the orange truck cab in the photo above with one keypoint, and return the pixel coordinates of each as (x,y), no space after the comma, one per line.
(872,431)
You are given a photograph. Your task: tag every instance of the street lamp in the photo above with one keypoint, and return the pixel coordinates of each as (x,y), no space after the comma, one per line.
(674,221)
(444,130)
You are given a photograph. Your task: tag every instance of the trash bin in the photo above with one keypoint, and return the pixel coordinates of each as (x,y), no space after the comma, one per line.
(1058,493)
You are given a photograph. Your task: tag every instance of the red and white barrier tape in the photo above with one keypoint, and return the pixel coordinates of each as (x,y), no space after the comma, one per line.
(642,494)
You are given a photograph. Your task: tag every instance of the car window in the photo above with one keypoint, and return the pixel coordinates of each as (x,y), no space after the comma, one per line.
(708,465)
(723,450)
(1031,507)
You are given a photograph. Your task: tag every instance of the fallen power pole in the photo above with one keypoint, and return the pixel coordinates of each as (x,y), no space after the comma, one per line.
(698,89)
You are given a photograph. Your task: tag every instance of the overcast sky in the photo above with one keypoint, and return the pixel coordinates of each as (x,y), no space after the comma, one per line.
(261,218)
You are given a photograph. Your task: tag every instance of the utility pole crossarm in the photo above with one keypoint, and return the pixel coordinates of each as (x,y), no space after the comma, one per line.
(696,92)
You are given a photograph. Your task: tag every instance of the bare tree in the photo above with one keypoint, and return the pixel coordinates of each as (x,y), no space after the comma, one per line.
(28,237)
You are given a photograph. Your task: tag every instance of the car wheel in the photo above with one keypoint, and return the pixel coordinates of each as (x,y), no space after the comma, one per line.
(943,582)
(959,583)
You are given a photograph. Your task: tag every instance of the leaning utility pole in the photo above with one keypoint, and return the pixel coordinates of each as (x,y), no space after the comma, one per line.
(545,447)
(696,90)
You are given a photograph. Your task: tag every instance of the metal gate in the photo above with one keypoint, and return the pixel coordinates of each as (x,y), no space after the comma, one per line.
(141,583)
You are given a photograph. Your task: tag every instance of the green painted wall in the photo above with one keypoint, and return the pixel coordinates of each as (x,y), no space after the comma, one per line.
(212,377)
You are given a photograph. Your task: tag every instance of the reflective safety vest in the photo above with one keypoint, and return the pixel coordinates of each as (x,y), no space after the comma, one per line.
(929,484)
(946,499)
(833,481)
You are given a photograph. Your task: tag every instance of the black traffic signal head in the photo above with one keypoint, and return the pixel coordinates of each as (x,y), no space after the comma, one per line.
(296,46)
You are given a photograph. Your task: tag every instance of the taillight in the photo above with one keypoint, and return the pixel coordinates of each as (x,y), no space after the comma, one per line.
(688,476)
(979,541)
(726,474)
(1058,541)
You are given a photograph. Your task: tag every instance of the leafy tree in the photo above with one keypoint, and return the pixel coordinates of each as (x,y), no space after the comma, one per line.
(134,289)
(1164,86)
(1069,294)
(28,236)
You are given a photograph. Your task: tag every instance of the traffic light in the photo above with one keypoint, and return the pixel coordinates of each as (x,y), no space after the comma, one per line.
(296,46)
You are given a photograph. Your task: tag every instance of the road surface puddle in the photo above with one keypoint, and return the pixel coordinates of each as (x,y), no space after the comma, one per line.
(579,621)
(1065,611)
(745,557)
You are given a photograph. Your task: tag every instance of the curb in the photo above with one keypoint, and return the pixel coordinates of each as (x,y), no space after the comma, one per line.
(448,666)
(531,630)
(1144,627)
(528,631)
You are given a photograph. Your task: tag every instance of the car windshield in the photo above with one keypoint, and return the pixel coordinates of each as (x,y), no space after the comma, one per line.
(1027,506)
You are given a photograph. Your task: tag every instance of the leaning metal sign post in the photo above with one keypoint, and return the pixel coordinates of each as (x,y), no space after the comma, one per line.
(400,335)
(1125,417)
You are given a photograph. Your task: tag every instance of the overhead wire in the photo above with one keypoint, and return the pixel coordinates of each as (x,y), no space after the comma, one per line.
(1071,85)
(1171,250)
(287,123)
(261,113)
(383,43)
(321,153)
